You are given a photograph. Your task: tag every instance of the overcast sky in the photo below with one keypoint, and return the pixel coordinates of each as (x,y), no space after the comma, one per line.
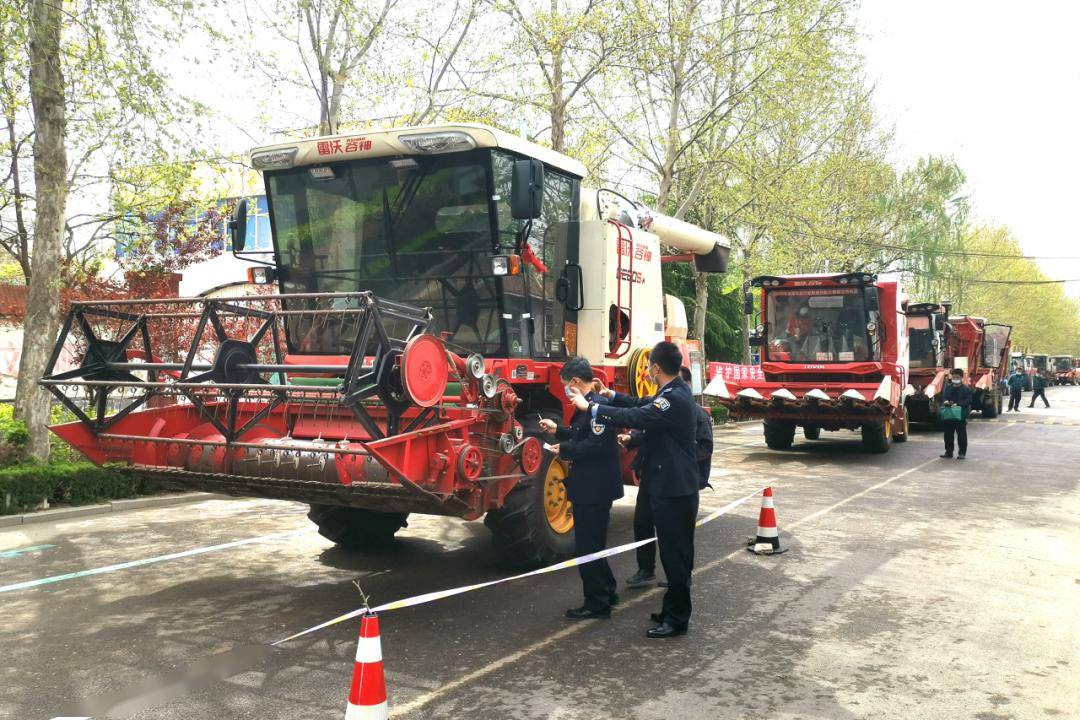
(995,85)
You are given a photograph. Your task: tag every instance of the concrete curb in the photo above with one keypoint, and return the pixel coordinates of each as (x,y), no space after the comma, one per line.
(67,513)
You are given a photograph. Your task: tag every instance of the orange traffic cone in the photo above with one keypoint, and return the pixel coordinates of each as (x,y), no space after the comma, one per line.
(767,541)
(367,695)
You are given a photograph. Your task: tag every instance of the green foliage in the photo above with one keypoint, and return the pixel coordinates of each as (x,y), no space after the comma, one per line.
(719,414)
(723,319)
(26,486)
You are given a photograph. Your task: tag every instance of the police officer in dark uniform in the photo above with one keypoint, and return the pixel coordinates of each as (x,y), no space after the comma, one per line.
(594,481)
(643,520)
(669,466)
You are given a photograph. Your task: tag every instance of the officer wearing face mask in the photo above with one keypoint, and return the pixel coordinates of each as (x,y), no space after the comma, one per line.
(956,393)
(594,482)
(669,468)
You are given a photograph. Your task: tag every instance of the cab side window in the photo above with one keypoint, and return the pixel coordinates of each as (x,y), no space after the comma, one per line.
(532,294)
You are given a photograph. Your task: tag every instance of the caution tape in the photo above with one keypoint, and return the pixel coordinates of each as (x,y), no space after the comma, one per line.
(440,594)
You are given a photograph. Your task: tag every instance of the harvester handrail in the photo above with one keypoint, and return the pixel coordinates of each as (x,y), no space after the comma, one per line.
(238,298)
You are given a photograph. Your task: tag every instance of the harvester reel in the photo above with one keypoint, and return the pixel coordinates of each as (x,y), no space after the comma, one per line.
(97,366)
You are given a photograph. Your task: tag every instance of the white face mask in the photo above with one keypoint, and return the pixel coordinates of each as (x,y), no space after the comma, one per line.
(956,381)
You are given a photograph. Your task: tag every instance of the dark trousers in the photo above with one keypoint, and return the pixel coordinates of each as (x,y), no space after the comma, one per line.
(590,535)
(675,518)
(1014,399)
(1039,393)
(644,529)
(960,428)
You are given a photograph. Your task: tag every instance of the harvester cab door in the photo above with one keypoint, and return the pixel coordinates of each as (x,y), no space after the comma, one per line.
(533,314)
(995,345)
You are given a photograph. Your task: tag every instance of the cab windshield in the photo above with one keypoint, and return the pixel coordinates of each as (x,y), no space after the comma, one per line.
(923,342)
(820,325)
(416,230)
(1063,364)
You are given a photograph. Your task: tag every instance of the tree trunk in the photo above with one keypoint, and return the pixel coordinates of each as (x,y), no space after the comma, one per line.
(558,105)
(701,306)
(748,324)
(50,178)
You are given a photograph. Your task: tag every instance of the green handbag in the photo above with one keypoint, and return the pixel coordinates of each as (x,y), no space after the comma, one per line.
(951,412)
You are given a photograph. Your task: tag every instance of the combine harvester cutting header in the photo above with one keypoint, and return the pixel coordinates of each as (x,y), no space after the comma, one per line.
(834,356)
(427,284)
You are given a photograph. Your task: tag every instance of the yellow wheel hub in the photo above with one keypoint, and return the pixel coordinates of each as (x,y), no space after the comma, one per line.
(560,512)
(640,384)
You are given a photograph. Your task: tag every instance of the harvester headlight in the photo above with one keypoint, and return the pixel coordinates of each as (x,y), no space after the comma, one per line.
(867,278)
(843,281)
(505,265)
(871,327)
(759,329)
(438,142)
(274,159)
(260,275)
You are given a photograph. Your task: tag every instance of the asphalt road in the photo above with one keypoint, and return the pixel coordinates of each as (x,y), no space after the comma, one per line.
(913,588)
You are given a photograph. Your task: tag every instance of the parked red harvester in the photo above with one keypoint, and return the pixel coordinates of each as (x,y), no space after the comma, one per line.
(982,350)
(1064,369)
(429,284)
(834,356)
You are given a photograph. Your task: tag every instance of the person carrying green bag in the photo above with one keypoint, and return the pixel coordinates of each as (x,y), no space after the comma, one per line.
(955,407)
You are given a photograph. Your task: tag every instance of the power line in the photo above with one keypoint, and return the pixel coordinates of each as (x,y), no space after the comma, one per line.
(957,253)
(972,281)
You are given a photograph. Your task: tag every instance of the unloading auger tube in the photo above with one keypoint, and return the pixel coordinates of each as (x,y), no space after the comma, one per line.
(203,392)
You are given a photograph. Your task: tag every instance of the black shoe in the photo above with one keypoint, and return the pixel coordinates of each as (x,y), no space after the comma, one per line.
(664,630)
(584,613)
(613,599)
(946,455)
(641,579)
(960,456)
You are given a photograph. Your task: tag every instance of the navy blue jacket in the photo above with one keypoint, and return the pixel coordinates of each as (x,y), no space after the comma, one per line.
(960,395)
(592,447)
(668,452)
(1016,381)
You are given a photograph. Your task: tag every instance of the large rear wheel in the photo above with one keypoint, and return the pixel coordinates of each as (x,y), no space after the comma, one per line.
(779,434)
(356,528)
(535,525)
(877,436)
(991,405)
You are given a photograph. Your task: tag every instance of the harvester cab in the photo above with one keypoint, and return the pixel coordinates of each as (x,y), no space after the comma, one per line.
(424,287)
(982,350)
(929,360)
(834,355)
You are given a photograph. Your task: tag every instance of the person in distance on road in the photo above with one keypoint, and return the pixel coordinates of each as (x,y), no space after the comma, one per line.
(1016,388)
(956,393)
(594,482)
(669,466)
(1038,388)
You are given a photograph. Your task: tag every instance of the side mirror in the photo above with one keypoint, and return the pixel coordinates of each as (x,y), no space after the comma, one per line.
(527,189)
(238,226)
(570,288)
(748,304)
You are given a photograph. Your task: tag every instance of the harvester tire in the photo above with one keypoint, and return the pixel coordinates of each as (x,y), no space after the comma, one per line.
(876,436)
(523,529)
(811,432)
(991,406)
(779,434)
(356,528)
(902,429)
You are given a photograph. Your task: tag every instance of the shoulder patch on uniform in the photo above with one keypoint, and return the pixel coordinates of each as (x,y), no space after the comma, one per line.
(597,428)
(661,404)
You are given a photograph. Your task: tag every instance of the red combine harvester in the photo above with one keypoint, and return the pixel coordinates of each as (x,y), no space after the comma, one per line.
(834,356)
(929,359)
(981,349)
(427,284)
(1064,369)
